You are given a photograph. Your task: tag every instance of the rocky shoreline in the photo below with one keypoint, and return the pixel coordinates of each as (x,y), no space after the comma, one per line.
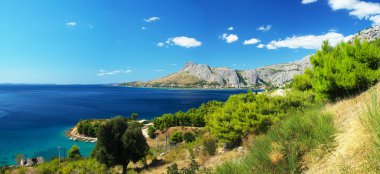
(73,134)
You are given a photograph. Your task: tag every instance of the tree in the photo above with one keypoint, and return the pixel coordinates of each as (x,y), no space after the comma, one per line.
(134,142)
(151,131)
(188,137)
(134,116)
(119,143)
(345,69)
(176,137)
(74,153)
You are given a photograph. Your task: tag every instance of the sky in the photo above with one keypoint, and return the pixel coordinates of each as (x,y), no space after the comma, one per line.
(103,41)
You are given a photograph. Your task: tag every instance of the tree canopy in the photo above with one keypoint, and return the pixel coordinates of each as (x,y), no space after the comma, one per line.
(119,143)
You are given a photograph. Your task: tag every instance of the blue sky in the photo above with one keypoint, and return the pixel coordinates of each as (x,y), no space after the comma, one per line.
(99,41)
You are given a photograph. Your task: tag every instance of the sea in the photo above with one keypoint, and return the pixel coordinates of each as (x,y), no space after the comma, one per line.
(34,118)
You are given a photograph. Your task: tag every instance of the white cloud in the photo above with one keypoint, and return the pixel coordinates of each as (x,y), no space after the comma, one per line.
(71,24)
(143,28)
(152,19)
(360,9)
(230,28)
(229,38)
(264,28)
(184,41)
(307,41)
(159,70)
(260,46)
(308,1)
(251,41)
(115,72)
(160,44)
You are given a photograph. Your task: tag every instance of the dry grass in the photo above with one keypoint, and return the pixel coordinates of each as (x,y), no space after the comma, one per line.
(179,78)
(353,141)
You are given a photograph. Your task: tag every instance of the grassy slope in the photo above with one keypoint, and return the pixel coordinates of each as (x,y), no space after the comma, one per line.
(354,140)
(353,149)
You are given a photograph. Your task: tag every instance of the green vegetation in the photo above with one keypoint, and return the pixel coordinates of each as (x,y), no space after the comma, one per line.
(282,148)
(371,120)
(188,137)
(287,128)
(192,169)
(210,145)
(249,113)
(120,142)
(343,70)
(152,131)
(88,127)
(74,153)
(90,166)
(176,137)
(193,117)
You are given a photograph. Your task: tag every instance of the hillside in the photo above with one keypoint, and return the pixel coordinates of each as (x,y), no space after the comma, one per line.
(204,76)
(353,140)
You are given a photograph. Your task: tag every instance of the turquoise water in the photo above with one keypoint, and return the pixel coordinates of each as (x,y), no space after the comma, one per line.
(34,118)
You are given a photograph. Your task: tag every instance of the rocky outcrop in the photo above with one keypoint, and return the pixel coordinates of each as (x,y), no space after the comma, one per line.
(201,75)
(276,75)
(369,34)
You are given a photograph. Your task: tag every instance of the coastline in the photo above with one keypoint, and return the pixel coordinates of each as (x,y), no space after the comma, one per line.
(205,89)
(73,134)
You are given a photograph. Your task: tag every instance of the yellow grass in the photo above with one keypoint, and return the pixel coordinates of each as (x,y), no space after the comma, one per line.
(353,141)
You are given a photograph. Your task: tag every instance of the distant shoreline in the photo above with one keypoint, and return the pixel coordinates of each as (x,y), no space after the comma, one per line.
(73,133)
(211,89)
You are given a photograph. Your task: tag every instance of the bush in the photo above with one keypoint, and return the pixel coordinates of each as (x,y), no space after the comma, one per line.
(193,168)
(193,117)
(188,137)
(176,137)
(251,113)
(210,145)
(81,166)
(74,153)
(88,127)
(346,69)
(172,169)
(152,131)
(302,82)
(282,148)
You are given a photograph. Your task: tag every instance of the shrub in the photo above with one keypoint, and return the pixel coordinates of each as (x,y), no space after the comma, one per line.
(172,169)
(192,169)
(193,117)
(345,69)
(210,145)
(152,131)
(250,113)
(188,137)
(176,137)
(303,81)
(81,166)
(282,148)
(74,153)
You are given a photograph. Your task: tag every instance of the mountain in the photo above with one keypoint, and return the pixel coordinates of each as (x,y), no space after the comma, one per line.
(204,76)
(194,75)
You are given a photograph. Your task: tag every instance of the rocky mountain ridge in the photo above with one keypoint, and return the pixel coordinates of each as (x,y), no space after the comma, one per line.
(204,76)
